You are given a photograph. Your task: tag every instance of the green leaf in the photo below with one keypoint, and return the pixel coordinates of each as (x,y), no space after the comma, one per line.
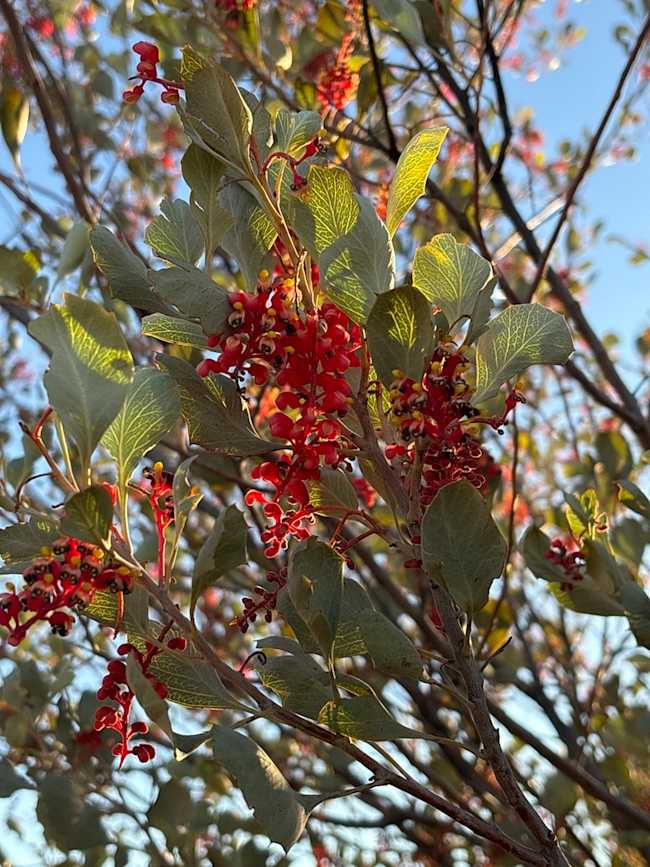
(614,453)
(413,167)
(403,16)
(216,112)
(461,545)
(637,610)
(14,118)
(301,683)
(10,780)
(175,234)
(400,334)
(534,546)
(251,234)
(125,272)
(277,808)
(216,417)
(346,238)
(223,550)
(389,649)
(195,293)
(294,130)
(90,370)
(20,543)
(315,584)
(480,315)
(587,600)
(171,329)
(150,410)
(633,497)
(520,336)
(74,249)
(171,812)
(89,516)
(203,175)
(363,718)
(18,270)
(333,493)
(185,745)
(68,821)
(186,497)
(152,704)
(450,275)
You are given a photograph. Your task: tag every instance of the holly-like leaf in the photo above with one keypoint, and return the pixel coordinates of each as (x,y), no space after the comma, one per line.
(90,370)
(204,174)
(413,167)
(294,130)
(450,275)
(125,272)
(218,117)
(346,238)
(89,516)
(19,543)
(150,410)
(400,334)
(332,494)
(403,16)
(175,234)
(171,329)
(216,418)
(520,336)
(194,293)
(363,718)
(224,549)
(278,809)
(315,584)
(462,547)
(632,496)
(251,233)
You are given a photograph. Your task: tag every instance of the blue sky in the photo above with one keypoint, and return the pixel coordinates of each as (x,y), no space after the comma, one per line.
(566,102)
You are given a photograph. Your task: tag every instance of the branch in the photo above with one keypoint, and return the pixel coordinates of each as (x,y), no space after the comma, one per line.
(393,149)
(589,155)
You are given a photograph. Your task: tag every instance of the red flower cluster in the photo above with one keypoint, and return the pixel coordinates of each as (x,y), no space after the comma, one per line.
(306,357)
(147,71)
(569,558)
(435,410)
(161,499)
(235,5)
(338,84)
(366,493)
(65,576)
(116,689)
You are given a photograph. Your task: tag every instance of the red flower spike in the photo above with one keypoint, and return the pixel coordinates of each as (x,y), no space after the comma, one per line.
(147,70)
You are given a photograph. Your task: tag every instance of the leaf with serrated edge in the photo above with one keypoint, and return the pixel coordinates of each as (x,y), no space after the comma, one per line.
(293,131)
(410,178)
(520,336)
(175,235)
(400,334)
(450,275)
(461,545)
(90,370)
(195,293)
(216,418)
(277,808)
(251,234)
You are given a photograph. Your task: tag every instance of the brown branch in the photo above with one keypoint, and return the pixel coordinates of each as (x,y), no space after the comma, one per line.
(393,149)
(34,79)
(589,155)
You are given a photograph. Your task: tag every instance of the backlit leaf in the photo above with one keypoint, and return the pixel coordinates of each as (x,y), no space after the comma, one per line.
(251,233)
(400,334)
(171,329)
(88,516)
(413,167)
(175,234)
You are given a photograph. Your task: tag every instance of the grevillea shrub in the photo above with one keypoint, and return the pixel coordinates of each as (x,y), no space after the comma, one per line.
(283,526)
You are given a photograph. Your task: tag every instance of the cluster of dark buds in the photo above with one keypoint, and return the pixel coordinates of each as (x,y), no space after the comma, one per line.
(305,355)
(147,70)
(569,557)
(116,689)
(338,84)
(65,576)
(311,149)
(437,412)
(265,602)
